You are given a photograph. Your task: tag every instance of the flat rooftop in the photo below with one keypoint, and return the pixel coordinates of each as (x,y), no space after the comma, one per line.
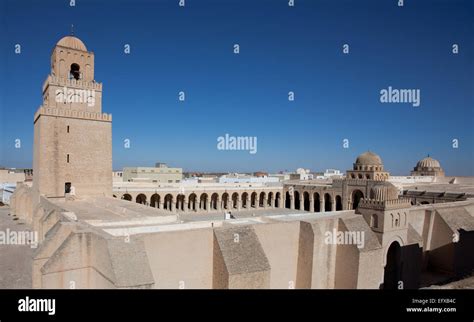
(458,185)
(117,217)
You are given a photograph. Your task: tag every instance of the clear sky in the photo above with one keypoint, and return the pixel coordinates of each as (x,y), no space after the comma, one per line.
(282,49)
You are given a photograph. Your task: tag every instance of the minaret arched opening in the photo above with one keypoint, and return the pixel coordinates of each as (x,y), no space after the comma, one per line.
(75,71)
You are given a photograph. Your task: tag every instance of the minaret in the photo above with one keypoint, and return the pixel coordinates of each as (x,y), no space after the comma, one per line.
(72,137)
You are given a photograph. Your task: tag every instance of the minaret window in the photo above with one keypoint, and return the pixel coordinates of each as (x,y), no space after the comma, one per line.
(374,221)
(67,187)
(75,72)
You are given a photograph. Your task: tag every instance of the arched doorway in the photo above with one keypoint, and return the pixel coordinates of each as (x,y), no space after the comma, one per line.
(338,203)
(203,202)
(287,200)
(192,201)
(306,201)
(317,202)
(357,195)
(180,202)
(261,200)
(297,200)
(235,200)
(270,199)
(127,197)
(155,201)
(214,201)
(327,202)
(245,198)
(168,202)
(141,199)
(392,270)
(225,200)
(277,200)
(253,199)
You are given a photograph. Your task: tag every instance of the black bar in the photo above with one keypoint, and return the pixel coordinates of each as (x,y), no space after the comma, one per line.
(135,305)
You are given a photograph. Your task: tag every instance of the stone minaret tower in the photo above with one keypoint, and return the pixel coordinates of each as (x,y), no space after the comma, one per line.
(72,137)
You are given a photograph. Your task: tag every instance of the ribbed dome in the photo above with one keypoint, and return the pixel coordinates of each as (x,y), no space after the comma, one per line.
(428,162)
(368,158)
(384,191)
(72,42)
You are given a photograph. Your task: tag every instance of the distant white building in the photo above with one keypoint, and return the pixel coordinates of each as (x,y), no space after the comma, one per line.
(190,181)
(280,176)
(12,175)
(329,173)
(158,174)
(117,176)
(301,174)
(243,178)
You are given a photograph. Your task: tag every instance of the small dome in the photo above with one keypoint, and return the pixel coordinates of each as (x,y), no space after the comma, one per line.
(428,162)
(72,42)
(368,158)
(384,191)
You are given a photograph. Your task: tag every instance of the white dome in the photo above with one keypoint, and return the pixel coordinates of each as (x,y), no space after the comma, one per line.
(368,158)
(428,162)
(72,42)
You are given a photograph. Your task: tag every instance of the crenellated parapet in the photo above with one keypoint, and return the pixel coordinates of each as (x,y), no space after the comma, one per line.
(51,111)
(385,204)
(61,81)
(354,182)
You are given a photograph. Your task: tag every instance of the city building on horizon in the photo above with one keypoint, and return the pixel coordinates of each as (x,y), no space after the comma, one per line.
(161,173)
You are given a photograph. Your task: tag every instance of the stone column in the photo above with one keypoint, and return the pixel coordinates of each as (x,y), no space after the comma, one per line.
(247,203)
(218,204)
(292,202)
(185,204)
(311,203)
(333,204)
(321,205)
(301,201)
(239,203)
(162,204)
(257,201)
(208,205)
(172,205)
(265,202)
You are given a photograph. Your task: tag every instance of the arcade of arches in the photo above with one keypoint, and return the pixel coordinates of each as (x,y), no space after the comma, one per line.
(342,194)
(305,200)
(206,201)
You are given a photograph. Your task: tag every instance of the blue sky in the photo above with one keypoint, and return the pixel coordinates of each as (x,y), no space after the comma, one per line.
(282,49)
